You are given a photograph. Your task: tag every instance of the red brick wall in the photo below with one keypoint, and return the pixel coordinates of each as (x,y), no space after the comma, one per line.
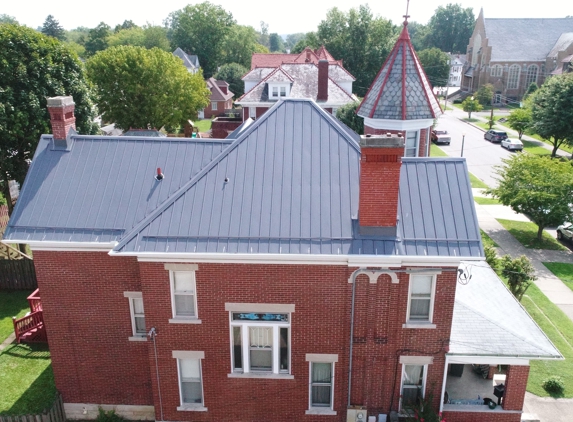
(379,185)
(515,384)
(220,129)
(88,324)
(481,417)
(61,120)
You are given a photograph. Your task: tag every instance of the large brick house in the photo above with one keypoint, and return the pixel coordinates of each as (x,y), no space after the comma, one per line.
(512,53)
(221,99)
(295,272)
(312,74)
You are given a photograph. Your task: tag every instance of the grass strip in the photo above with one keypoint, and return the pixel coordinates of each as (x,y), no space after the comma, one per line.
(526,234)
(562,271)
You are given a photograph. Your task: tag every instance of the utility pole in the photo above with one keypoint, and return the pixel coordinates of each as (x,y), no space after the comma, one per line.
(448,84)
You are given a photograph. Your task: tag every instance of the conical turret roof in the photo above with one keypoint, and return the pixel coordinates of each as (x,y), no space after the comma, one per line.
(401,90)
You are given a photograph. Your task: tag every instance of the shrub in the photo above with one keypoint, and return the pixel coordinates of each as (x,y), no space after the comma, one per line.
(519,272)
(491,257)
(554,385)
(109,416)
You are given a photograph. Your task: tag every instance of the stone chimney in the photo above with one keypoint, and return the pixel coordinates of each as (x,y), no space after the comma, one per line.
(380,162)
(62,118)
(322,81)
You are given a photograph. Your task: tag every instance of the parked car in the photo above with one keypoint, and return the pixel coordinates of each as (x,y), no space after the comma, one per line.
(441,137)
(512,144)
(565,232)
(495,135)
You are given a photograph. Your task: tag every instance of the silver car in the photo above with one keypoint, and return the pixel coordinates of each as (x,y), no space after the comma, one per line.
(512,144)
(565,232)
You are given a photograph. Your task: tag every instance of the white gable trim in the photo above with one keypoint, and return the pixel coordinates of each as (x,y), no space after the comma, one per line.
(391,124)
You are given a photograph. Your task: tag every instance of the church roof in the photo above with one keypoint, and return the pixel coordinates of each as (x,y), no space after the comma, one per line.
(401,90)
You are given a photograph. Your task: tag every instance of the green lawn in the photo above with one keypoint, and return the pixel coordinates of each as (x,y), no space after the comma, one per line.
(203,125)
(559,328)
(534,148)
(436,151)
(486,240)
(476,183)
(12,303)
(563,271)
(526,234)
(486,201)
(26,378)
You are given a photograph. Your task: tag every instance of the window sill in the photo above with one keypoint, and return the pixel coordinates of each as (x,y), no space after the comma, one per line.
(137,338)
(191,408)
(321,411)
(263,376)
(419,325)
(184,321)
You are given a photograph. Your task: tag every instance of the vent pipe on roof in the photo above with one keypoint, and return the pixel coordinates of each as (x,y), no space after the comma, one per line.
(159,175)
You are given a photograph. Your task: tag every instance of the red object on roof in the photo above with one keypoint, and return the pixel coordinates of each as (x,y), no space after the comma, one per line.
(306,56)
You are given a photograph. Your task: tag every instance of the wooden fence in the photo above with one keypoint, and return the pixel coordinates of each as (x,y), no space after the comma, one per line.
(17,274)
(54,414)
(4,217)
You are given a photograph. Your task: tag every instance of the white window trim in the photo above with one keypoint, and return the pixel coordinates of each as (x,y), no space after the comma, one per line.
(214,106)
(173,268)
(259,308)
(135,335)
(252,112)
(417,148)
(278,86)
(320,358)
(416,323)
(424,378)
(186,354)
(517,77)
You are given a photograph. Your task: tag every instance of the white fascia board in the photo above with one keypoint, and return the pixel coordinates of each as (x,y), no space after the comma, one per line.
(252,104)
(488,360)
(296,259)
(37,245)
(398,124)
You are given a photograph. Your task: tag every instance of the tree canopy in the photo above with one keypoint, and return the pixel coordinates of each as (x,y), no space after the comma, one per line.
(347,115)
(537,186)
(53,28)
(519,120)
(361,40)
(201,29)
(4,18)
(240,44)
(470,104)
(436,64)
(140,88)
(450,28)
(148,36)
(552,111)
(35,67)
(232,74)
(276,43)
(97,39)
(485,94)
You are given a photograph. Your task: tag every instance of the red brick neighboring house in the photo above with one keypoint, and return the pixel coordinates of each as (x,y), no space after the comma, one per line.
(295,272)
(221,98)
(311,74)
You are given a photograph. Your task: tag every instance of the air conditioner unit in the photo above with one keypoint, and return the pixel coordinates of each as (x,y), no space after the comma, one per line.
(356,414)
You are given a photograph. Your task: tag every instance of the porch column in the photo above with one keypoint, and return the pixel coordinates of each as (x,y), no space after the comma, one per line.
(515,383)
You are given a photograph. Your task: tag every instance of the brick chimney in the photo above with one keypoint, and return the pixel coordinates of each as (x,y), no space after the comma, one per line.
(62,118)
(380,162)
(322,81)
(307,55)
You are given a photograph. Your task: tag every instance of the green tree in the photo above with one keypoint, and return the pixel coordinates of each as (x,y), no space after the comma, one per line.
(276,43)
(310,40)
(127,24)
(450,28)
(140,88)
(347,115)
(552,111)
(53,28)
(418,35)
(436,64)
(264,38)
(485,94)
(97,39)
(4,18)
(519,120)
(292,39)
(536,186)
(519,273)
(240,44)
(131,36)
(470,104)
(232,74)
(201,29)
(361,40)
(34,67)
(155,36)
(530,90)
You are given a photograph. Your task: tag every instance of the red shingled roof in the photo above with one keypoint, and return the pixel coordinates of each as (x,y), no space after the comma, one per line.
(306,56)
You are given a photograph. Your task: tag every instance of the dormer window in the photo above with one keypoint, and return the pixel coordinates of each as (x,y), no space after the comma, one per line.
(277,91)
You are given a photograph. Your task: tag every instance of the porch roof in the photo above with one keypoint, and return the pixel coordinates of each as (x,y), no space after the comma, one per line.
(489,321)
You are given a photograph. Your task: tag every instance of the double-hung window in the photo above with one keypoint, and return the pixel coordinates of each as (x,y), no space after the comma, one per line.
(321,383)
(421,300)
(137,316)
(183,293)
(260,339)
(190,379)
(414,372)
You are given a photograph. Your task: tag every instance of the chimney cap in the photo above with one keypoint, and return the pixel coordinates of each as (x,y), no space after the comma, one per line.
(60,101)
(381,141)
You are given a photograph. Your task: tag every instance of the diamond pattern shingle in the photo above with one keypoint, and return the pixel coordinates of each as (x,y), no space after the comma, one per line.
(401,90)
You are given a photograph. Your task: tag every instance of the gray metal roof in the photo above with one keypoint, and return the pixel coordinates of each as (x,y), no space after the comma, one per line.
(292,187)
(191,61)
(524,39)
(401,90)
(489,321)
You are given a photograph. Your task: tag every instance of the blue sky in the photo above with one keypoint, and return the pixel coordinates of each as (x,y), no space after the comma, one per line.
(283,17)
